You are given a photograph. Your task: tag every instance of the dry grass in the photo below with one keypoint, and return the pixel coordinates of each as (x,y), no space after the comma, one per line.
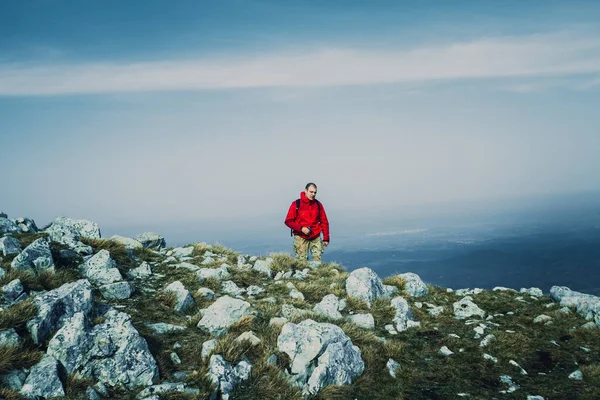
(396,281)
(7,394)
(16,357)
(118,252)
(17,315)
(356,305)
(75,387)
(283,262)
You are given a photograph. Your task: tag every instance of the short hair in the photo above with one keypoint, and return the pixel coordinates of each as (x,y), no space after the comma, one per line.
(309,184)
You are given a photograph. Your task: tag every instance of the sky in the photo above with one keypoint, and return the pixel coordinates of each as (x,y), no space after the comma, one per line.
(153,112)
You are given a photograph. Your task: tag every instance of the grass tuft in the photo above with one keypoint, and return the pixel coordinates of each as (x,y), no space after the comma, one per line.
(17,315)
(17,357)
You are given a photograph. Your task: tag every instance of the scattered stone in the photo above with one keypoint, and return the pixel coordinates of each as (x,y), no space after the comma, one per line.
(404,316)
(248,337)
(35,258)
(490,358)
(541,319)
(116,291)
(576,375)
(141,272)
(365,321)
(487,340)
(272,360)
(290,312)
(129,243)
(254,290)
(183,297)
(216,273)
(223,313)
(9,337)
(329,307)
(230,288)
(445,351)
(413,285)
(166,388)
(532,291)
(205,293)
(208,347)
(161,328)
(365,285)
(530,397)
(151,240)
(101,269)
(507,380)
(9,245)
(175,358)
(225,377)
(182,252)
(503,289)
(263,266)
(390,329)
(589,325)
(43,381)
(465,308)
(392,365)
(278,321)
(521,370)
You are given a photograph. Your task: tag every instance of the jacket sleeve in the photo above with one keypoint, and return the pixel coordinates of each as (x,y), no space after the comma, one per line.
(324,224)
(290,219)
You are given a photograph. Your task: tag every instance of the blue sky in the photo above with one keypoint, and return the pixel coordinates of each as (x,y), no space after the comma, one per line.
(133,111)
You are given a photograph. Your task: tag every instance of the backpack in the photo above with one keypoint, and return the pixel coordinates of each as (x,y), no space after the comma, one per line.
(298,207)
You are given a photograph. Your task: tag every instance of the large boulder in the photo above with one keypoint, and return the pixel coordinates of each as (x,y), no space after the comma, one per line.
(111,352)
(321,354)
(68,236)
(465,308)
(225,377)
(413,285)
(57,306)
(26,225)
(9,245)
(151,240)
(43,381)
(223,313)
(365,285)
(403,319)
(102,270)
(84,227)
(35,258)
(586,305)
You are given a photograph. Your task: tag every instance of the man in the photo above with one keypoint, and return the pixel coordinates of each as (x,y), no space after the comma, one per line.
(307,219)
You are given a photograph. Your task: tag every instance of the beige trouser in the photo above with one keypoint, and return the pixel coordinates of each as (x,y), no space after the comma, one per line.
(302,246)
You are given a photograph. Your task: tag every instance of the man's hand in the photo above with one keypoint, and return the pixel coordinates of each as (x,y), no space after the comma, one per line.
(306,230)
(325,244)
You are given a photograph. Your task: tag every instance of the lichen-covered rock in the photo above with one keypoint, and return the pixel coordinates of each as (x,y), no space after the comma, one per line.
(182,252)
(365,285)
(13,380)
(321,354)
(84,227)
(465,308)
(9,337)
(101,269)
(226,377)
(207,348)
(183,298)
(151,240)
(263,266)
(116,291)
(35,258)
(160,328)
(231,289)
(72,343)
(166,388)
(403,319)
(43,381)
(365,321)
(129,243)
(216,273)
(141,272)
(329,307)
(413,285)
(223,313)
(57,306)
(9,245)
(26,225)
(12,290)
(532,291)
(254,290)
(586,305)
(7,226)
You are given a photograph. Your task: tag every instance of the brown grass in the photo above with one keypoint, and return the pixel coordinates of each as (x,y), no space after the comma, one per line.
(16,357)
(17,315)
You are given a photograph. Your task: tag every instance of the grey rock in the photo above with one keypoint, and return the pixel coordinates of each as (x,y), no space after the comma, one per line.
(231,289)
(9,245)
(7,226)
(101,269)
(365,285)
(503,289)
(175,358)
(184,299)
(116,291)
(216,273)
(9,337)
(301,275)
(254,290)
(392,365)
(166,388)
(151,240)
(272,360)
(278,321)
(465,308)
(43,381)
(329,307)
(390,290)
(205,293)
(86,228)
(71,343)
(188,266)
(13,380)
(541,319)
(403,318)
(290,312)
(57,306)
(181,252)
(365,321)
(34,258)
(208,347)
(223,313)
(413,285)
(226,377)
(586,305)
(531,397)
(2,273)
(314,264)
(92,394)
(263,267)
(248,337)
(141,272)
(12,290)
(26,225)
(445,351)
(576,375)
(532,291)
(161,328)
(129,243)
(320,355)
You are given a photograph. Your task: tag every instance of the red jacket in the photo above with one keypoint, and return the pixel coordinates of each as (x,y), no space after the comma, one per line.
(311,214)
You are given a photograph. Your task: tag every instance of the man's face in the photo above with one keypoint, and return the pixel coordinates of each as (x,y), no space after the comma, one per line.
(311,192)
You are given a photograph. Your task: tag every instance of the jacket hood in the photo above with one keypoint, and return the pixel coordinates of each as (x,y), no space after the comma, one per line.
(304,198)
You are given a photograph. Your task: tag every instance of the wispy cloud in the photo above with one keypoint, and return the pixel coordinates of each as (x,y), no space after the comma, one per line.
(549,55)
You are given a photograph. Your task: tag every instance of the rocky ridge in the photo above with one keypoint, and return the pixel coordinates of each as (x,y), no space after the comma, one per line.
(82,317)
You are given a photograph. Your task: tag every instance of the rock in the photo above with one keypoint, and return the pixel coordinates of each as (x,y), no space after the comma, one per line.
(540,319)
(586,305)
(294,293)
(314,264)
(166,388)
(515,364)
(576,375)
(129,243)
(188,266)
(9,337)
(205,293)
(532,291)
(390,290)
(116,291)
(225,377)
(84,227)
(183,297)
(301,275)
(390,329)
(329,307)
(263,266)
(223,313)
(151,240)
(35,258)
(272,360)
(2,273)
(290,312)
(181,252)
(141,272)
(278,321)
(13,380)
(445,351)
(530,397)
(507,380)
(589,325)
(101,269)
(215,273)
(160,328)
(12,290)
(503,289)
(490,358)
(208,347)
(248,337)
(413,285)
(392,365)
(487,340)
(230,288)
(92,394)
(112,352)
(43,381)
(7,226)
(404,316)
(365,321)
(365,285)
(465,308)
(254,290)
(9,245)
(26,225)
(320,355)
(57,306)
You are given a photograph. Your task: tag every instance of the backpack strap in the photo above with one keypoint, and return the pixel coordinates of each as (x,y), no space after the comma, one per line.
(297,208)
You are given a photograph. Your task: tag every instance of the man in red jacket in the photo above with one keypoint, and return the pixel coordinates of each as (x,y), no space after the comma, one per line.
(307,219)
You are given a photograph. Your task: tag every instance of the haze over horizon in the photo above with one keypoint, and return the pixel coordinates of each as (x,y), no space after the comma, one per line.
(124,112)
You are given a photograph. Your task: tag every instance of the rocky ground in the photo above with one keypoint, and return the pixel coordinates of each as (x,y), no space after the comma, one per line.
(82,317)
